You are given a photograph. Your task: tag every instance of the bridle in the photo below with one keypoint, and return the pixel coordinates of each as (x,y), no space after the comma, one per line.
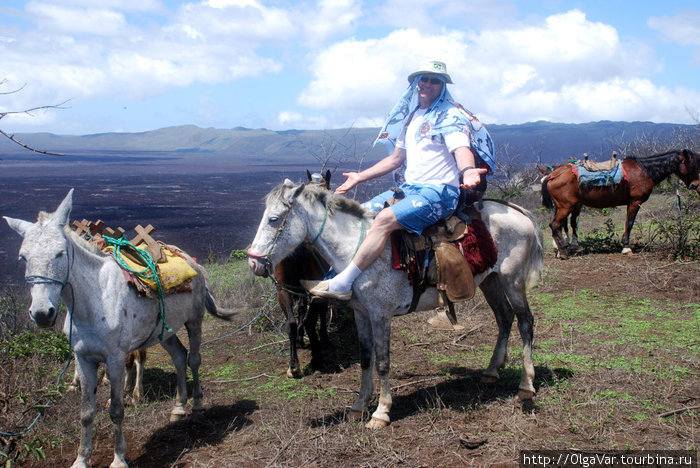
(39,279)
(265,258)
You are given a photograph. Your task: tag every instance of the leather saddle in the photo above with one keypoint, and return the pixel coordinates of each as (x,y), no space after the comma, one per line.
(434,259)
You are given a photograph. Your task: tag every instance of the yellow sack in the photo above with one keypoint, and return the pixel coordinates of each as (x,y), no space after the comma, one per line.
(172,272)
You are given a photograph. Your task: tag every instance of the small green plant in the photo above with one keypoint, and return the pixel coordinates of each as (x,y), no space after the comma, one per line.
(603,240)
(680,232)
(47,344)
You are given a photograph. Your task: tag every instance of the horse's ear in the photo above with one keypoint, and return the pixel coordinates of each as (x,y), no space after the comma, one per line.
(308,175)
(18,225)
(328,179)
(288,183)
(298,191)
(62,214)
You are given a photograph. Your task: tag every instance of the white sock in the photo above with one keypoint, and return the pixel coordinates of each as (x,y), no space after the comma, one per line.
(342,282)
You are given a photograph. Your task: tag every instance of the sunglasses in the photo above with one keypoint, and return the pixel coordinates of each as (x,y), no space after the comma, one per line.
(434,81)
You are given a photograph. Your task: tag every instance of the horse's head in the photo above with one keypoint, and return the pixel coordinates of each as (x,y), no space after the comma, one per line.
(689,170)
(279,231)
(45,252)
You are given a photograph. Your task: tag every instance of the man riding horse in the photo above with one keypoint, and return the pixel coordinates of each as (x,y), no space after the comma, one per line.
(443,148)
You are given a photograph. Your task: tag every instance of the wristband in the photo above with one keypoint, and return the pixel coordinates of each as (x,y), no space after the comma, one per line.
(461,173)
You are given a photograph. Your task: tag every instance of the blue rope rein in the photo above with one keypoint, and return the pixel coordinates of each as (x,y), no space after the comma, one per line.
(150,271)
(38,279)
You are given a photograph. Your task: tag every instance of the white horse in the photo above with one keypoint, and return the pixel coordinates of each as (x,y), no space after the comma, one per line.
(107,318)
(336,225)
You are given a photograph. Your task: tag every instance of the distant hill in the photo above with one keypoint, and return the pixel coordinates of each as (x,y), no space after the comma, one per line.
(555,141)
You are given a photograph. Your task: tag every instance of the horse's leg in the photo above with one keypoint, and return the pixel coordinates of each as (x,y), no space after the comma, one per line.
(287,306)
(75,383)
(364,334)
(526,326)
(87,376)
(573,240)
(302,310)
(632,210)
(194,360)
(316,307)
(556,225)
(323,327)
(116,370)
(139,364)
(178,354)
(503,311)
(381,331)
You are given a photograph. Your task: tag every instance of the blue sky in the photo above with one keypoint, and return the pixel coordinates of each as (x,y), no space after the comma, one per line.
(137,65)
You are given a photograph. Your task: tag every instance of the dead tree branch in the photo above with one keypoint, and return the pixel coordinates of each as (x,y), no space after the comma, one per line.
(29,112)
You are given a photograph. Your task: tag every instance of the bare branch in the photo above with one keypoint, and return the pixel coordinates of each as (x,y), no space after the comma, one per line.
(14,91)
(29,112)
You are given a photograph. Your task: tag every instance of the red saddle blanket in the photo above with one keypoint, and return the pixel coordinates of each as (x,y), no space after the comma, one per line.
(477,246)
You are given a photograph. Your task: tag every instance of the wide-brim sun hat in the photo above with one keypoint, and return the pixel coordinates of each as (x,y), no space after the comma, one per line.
(434,67)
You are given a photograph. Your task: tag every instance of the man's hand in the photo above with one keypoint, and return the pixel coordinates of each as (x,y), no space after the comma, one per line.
(471,177)
(353,178)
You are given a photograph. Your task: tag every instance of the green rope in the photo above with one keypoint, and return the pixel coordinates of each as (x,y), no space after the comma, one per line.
(150,266)
(320,231)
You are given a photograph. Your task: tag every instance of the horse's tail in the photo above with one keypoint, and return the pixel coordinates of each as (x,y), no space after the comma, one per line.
(536,259)
(546,197)
(216,311)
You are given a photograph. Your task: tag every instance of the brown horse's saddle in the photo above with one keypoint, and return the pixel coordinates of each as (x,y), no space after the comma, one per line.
(593,166)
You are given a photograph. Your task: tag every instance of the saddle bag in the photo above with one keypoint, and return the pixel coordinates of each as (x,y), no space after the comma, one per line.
(453,272)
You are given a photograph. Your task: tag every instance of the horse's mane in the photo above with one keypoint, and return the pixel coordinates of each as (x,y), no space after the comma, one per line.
(44,216)
(660,165)
(334,203)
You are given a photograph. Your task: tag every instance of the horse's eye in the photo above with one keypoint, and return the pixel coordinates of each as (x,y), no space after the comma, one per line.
(60,254)
(274,219)
(22,258)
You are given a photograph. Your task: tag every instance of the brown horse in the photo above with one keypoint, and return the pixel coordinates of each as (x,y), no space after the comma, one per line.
(303,263)
(561,190)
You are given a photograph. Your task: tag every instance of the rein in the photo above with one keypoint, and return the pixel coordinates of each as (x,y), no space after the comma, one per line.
(38,279)
(265,258)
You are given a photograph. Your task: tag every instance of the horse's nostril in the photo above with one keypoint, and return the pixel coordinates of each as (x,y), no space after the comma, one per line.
(51,311)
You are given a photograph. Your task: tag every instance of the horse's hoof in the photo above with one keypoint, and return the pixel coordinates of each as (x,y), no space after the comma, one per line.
(489,379)
(627,251)
(354,416)
(118,463)
(525,395)
(293,373)
(376,423)
(177,414)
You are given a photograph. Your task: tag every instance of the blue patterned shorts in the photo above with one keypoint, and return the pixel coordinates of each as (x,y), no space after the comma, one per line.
(423,206)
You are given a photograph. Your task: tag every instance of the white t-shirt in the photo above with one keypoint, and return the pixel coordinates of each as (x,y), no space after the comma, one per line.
(430,160)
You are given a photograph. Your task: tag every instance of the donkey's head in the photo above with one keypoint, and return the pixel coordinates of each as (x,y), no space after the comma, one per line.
(45,253)
(279,231)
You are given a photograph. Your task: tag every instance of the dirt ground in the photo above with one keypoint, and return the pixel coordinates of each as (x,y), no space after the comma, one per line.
(442,414)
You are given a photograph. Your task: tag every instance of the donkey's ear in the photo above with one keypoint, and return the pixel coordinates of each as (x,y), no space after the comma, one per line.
(18,225)
(62,214)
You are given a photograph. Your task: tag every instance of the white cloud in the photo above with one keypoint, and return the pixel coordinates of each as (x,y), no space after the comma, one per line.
(684,28)
(77,20)
(330,18)
(564,68)
(124,5)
